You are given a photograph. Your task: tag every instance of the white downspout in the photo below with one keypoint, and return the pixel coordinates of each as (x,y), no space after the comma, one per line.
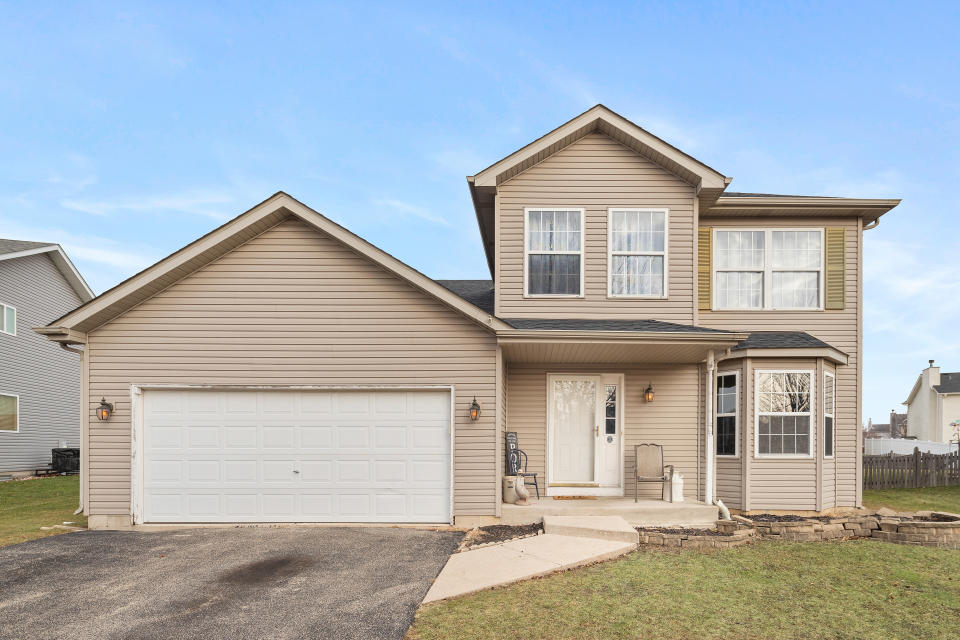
(708,430)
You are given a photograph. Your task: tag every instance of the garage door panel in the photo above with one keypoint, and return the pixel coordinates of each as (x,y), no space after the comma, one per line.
(336,456)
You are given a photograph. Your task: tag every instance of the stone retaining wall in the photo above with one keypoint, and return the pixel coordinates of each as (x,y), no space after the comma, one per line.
(897,529)
(691,541)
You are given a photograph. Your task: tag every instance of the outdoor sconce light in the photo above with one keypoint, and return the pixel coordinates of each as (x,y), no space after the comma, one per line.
(104,410)
(648,393)
(475,410)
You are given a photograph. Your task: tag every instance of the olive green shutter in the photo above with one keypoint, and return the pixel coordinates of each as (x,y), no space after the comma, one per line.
(833,298)
(704,268)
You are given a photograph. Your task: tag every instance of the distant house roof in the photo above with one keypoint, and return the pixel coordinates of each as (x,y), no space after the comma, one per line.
(13,249)
(556,324)
(949,383)
(476,292)
(781,340)
(744,194)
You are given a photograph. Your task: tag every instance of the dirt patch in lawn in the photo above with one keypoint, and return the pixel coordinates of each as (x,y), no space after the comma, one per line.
(936,517)
(502,533)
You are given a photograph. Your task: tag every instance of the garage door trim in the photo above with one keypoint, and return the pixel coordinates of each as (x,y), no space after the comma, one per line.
(137,419)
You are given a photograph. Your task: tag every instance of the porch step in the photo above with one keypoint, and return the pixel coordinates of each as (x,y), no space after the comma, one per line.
(601,527)
(646,513)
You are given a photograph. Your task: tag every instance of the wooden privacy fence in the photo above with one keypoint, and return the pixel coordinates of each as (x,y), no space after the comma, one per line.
(914,470)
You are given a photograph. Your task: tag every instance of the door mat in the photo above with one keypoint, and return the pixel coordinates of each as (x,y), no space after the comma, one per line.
(574,497)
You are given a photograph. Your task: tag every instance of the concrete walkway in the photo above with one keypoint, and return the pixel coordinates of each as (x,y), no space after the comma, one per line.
(479,569)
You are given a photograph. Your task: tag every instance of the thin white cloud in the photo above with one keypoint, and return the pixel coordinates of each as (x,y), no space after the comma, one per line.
(200,203)
(411,209)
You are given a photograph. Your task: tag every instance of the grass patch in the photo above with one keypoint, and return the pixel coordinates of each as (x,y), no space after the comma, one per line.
(930,499)
(770,590)
(27,505)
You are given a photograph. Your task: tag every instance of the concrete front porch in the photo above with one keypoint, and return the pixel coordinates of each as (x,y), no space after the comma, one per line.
(645,513)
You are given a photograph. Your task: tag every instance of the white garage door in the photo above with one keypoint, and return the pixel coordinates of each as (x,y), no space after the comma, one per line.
(305,456)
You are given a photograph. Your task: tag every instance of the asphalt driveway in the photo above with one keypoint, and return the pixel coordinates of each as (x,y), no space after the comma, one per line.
(241,582)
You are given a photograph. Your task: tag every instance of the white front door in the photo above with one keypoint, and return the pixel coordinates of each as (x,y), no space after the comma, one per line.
(574,429)
(584,423)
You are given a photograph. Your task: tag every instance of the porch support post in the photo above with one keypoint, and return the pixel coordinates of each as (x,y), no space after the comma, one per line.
(708,429)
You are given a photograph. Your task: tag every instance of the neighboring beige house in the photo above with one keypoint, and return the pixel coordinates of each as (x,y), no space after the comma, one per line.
(281,368)
(933,406)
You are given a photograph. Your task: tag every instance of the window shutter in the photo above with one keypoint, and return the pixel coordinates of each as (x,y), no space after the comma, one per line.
(833,298)
(704,268)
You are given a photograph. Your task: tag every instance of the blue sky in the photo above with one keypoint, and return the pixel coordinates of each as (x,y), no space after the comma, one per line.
(128,130)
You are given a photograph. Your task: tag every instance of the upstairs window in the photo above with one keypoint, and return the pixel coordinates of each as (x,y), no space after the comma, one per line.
(554,252)
(638,253)
(8,319)
(768,269)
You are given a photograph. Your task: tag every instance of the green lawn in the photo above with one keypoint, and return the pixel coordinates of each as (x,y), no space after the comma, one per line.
(932,499)
(27,505)
(771,590)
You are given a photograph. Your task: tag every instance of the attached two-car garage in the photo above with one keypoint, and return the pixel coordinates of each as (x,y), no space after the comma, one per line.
(323,455)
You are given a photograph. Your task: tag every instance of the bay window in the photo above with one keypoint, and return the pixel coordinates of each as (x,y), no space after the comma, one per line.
(553,252)
(637,262)
(783,408)
(768,269)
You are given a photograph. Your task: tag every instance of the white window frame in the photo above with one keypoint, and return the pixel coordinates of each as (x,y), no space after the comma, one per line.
(766,282)
(527,252)
(735,414)
(666,246)
(756,415)
(12,395)
(832,415)
(3,319)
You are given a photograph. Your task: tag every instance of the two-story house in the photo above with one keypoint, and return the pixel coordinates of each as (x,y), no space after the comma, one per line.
(281,368)
(39,382)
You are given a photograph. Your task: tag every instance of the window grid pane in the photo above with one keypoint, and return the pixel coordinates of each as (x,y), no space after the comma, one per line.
(638,231)
(554,274)
(796,250)
(610,418)
(636,275)
(740,250)
(553,231)
(739,290)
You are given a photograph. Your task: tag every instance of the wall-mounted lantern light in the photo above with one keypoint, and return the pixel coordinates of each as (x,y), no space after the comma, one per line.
(648,393)
(104,410)
(475,410)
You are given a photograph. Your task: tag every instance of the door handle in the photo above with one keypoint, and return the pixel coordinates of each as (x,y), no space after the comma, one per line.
(296,471)
(596,430)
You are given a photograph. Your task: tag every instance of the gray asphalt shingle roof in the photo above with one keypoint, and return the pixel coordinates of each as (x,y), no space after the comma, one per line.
(949,383)
(477,292)
(15,246)
(781,340)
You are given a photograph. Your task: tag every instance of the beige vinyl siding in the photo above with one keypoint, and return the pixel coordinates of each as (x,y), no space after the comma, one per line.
(292,306)
(838,328)
(595,173)
(671,420)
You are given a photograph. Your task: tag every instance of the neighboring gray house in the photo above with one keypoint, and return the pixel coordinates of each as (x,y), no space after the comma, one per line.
(39,382)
